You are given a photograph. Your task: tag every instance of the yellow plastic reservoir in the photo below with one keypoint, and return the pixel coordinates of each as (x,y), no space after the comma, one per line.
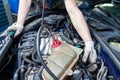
(62,61)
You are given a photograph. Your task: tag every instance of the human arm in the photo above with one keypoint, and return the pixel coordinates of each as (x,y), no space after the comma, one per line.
(78,20)
(81,26)
(24,6)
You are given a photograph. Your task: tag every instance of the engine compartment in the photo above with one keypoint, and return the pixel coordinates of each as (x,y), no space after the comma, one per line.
(33,56)
(29,64)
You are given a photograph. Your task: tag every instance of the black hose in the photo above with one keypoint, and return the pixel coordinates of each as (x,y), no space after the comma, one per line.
(34,57)
(29,61)
(17,73)
(15,77)
(67,40)
(39,55)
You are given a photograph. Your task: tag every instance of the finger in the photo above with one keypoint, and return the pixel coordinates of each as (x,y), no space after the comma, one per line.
(85,56)
(93,56)
(17,33)
(4,33)
(11,28)
(92,59)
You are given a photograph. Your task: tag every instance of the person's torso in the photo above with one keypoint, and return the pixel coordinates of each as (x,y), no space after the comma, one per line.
(54,4)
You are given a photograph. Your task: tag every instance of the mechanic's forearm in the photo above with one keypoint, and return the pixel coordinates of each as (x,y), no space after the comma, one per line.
(78,21)
(24,7)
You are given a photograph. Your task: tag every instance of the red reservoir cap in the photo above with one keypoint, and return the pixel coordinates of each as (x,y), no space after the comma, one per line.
(56,43)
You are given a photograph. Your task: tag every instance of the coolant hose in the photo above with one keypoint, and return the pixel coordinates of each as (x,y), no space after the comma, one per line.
(40,56)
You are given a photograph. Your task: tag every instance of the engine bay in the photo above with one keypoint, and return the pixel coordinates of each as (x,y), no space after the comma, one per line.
(54,51)
(37,60)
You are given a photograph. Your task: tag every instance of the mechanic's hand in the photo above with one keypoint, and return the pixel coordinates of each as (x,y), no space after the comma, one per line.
(90,55)
(14,27)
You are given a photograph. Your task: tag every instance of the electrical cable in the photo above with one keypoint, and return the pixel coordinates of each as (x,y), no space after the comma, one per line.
(39,55)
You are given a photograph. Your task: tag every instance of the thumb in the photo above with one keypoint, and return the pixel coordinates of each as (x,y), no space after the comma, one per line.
(4,33)
(19,29)
(17,33)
